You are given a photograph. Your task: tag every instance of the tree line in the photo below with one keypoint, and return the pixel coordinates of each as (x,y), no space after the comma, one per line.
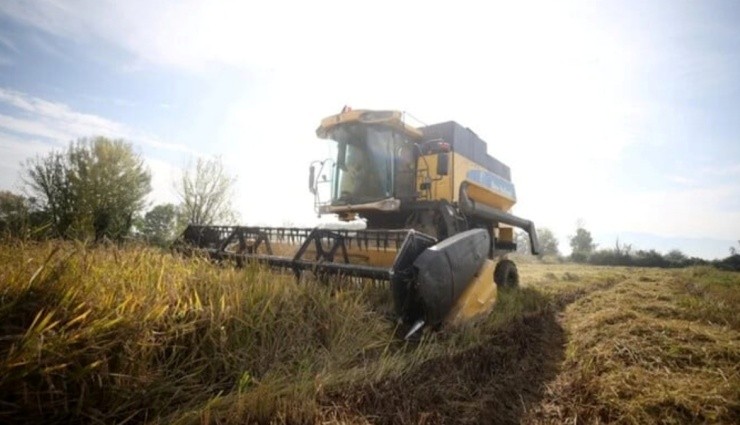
(584,250)
(96,189)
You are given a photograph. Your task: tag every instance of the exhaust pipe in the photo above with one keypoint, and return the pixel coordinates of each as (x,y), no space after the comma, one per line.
(470,207)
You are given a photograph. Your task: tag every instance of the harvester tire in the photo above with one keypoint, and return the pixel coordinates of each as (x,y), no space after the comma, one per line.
(506,275)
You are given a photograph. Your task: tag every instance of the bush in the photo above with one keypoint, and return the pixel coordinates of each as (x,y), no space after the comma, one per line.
(731,263)
(642,258)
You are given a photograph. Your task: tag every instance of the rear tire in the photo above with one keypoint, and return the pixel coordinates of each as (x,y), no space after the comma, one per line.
(506,275)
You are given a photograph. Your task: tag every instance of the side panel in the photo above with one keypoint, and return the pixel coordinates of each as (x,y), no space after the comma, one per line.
(485,187)
(442,187)
(465,169)
(491,197)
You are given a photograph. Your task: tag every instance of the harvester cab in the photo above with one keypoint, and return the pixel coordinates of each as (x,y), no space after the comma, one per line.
(436,212)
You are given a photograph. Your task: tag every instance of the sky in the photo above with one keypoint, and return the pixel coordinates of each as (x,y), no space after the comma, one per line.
(624,115)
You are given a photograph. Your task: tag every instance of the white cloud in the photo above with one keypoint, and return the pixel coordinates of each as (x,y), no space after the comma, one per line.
(164,175)
(14,150)
(59,123)
(732,170)
(40,125)
(8,43)
(694,212)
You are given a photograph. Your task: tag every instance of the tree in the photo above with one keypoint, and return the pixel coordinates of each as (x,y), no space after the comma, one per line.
(581,244)
(14,212)
(548,242)
(676,257)
(205,193)
(522,242)
(546,239)
(47,177)
(159,224)
(93,189)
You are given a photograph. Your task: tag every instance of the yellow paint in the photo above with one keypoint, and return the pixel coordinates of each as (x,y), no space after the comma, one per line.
(487,196)
(461,166)
(441,186)
(447,187)
(478,298)
(506,234)
(373,256)
(393,119)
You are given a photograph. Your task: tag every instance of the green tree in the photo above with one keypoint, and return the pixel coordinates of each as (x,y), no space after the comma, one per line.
(548,242)
(205,193)
(158,225)
(676,257)
(14,213)
(581,244)
(546,239)
(93,189)
(522,242)
(47,177)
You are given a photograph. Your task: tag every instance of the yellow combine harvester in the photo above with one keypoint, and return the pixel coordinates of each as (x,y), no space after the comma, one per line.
(436,211)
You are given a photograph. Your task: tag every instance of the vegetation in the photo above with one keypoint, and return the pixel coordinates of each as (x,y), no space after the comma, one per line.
(159,225)
(14,214)
(96,189)
(205,193)
(116,334)
(581,244)
(93,189)
(546,239)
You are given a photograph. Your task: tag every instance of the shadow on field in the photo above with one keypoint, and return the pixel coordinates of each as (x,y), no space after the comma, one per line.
(493,382)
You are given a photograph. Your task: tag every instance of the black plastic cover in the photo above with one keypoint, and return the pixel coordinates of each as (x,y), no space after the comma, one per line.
(446,269)
(403,274)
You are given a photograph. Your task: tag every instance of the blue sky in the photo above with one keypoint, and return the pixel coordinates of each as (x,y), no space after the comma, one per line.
(622,114)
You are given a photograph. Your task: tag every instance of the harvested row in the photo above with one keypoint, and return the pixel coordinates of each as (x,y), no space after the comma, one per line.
(660,347)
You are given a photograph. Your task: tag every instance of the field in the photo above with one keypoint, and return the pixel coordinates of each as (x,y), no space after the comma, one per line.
(131,335)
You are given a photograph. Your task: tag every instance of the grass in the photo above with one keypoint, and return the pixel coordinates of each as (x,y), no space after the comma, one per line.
(130,335)
(657,346)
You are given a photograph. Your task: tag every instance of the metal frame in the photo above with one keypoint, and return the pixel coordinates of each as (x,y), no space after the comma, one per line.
(329,245)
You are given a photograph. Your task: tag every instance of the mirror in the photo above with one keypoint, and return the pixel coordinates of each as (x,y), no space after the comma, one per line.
(443,162)
(341,156)
(311,178)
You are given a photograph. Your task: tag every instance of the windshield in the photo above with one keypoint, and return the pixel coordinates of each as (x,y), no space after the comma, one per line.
(368,160)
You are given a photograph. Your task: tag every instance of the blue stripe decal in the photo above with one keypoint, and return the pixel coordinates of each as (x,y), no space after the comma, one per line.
(492,181)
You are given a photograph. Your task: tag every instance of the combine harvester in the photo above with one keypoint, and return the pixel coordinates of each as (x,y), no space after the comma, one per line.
(436,208)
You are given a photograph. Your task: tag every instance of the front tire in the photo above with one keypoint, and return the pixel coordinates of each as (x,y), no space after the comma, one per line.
(506,275)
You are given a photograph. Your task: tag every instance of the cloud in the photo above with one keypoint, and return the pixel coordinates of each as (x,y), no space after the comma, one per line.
(193,34)
(51,119)
(164,176)
(695,212)
(57,122)
(8,43)
(732,170)
(15,150)
(36,126)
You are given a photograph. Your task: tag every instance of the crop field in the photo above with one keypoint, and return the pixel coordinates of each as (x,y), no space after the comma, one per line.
(134,334)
